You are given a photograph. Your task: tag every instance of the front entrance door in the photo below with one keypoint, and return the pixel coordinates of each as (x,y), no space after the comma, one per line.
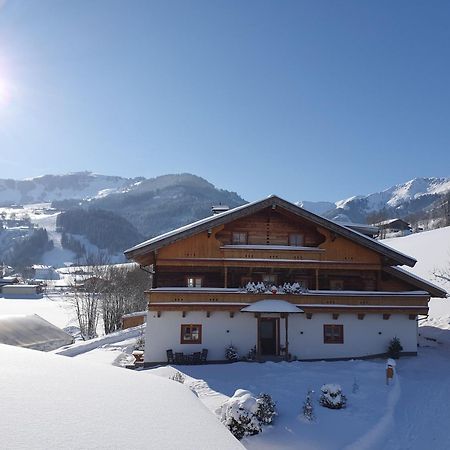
(268,336)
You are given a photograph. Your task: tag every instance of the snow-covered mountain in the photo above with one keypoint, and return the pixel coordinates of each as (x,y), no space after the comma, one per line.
(77,185)
(399,200)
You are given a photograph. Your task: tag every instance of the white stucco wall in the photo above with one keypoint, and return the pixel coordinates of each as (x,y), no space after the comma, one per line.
(218,332)
(361,337)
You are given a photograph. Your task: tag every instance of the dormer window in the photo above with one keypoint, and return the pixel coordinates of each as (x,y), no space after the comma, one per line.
(296,239)
(194,282)
(239,238)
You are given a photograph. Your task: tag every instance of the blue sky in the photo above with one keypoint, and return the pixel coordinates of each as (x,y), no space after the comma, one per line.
(312,100)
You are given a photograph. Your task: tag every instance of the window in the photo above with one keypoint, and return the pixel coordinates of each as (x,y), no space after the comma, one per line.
(336,285)
(194,282)
(239,238)
(191,334)
(269,278)
(333,334)
(296,239)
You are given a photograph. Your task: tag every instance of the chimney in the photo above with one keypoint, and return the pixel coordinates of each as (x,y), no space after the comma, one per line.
(217,209)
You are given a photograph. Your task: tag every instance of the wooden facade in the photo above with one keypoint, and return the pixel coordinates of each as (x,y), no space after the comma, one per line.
(207,266)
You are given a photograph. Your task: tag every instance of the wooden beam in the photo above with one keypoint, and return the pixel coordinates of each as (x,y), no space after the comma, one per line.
(317,279)
(225,277)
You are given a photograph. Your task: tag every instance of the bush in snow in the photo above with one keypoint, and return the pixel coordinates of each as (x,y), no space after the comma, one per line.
(266,409)
(238,414)
(140,343)
(231,353)
(395,348)
(178,376)
(308,409)
(251,355)
(332,396)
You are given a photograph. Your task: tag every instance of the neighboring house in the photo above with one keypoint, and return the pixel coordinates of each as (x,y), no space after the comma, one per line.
(33,332)
(274,276)
(393,226)
(371,231)
(134,319)
(22,291)
(41,272)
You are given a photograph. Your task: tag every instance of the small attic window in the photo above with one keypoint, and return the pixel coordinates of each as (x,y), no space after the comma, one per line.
(296,239)
(239,238)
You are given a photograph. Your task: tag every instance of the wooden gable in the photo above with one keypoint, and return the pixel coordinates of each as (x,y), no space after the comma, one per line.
(268,222)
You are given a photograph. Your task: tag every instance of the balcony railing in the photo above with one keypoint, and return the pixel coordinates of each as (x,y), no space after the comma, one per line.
(319,298)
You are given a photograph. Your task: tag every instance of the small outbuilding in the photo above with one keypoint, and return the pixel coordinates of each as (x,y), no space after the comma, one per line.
(22,291)
(394,226)
(134,319)
(33,332)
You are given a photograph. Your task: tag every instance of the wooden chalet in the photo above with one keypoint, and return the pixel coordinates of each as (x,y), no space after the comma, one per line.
(276,277)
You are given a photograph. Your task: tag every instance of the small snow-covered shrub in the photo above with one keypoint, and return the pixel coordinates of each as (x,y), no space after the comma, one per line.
(238,414)
(266,409)
(395,348)
(308,408)
(231,353)
(178,376)
(251,355)
(140,343)
(332,396)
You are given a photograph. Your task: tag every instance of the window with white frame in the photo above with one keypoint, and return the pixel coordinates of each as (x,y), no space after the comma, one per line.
(194,282)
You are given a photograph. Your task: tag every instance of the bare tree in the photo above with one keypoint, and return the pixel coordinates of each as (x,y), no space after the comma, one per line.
(89,293)
(442,274)
(124,294)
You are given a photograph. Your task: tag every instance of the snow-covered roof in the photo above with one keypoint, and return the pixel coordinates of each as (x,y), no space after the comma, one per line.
(389,221)
(250,208)
(32,331)
(55,402)
(432,288)
(272,306)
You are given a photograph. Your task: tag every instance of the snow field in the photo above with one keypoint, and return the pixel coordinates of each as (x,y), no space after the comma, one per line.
(52,402)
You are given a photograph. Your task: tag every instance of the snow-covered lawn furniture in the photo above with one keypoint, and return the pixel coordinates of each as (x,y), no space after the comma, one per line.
(138,356)
(197,358)
(170,356)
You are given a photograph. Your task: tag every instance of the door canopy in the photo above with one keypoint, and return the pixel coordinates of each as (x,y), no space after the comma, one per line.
(272,306)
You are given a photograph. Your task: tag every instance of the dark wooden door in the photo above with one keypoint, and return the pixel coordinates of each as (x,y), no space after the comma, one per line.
(268,336)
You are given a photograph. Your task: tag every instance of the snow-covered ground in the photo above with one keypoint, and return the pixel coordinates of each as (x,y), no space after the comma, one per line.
(432,251)
(53,402)
(55,309)
(412,413)
(41,215)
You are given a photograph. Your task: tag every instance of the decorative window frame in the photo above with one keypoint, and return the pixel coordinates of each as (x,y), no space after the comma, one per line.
(186,329)
(333,334)
(195,278)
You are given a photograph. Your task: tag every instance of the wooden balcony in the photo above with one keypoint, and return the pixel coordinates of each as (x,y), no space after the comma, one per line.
(161,299)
